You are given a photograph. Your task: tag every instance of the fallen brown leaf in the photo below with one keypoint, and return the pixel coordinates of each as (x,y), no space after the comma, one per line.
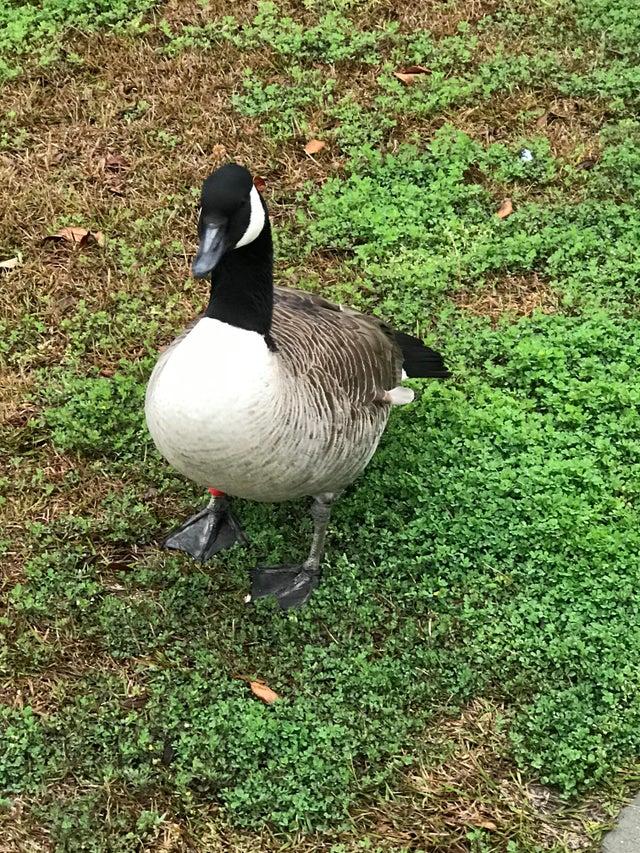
(77,236)
(313,146)
(505,209)
(71,235)
(263,691)
(259,183)
(115,163)
(410,74)
(484,823)
(407,79)
(9,264)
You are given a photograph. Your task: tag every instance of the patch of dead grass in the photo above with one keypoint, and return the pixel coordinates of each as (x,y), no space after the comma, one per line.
(19,833)
(119,105)
(515,296)
(54,496)
(440,18)
(15,387)
(43,691)
(467,784)
(193,13)
(570,127)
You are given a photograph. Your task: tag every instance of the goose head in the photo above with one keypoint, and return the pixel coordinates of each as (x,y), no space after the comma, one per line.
(232,215)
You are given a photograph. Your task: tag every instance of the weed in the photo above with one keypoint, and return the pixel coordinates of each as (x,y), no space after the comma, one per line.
(495,619)
(91,823)
(69,572)
(200,37)
(99,415)
(356,127)
(14,137)
(98,333)
(332,39)
(416,228)
(280,105)
(24,754)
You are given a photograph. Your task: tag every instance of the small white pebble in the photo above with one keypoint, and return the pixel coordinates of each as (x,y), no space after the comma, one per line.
(247,598)
(526,156)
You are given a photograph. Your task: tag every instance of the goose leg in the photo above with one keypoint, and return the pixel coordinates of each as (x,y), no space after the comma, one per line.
(292,584)
(212,529)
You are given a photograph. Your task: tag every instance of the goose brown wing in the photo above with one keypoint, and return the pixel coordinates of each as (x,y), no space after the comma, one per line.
(340,349)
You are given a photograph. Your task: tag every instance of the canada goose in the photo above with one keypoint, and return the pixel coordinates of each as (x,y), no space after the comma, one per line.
(273,394)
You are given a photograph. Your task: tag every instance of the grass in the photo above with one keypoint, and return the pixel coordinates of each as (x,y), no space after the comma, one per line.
(464,680)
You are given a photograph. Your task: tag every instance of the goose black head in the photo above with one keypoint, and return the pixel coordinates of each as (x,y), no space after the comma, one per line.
(232,215)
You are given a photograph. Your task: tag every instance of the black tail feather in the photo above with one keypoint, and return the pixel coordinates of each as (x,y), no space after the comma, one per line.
(420,360)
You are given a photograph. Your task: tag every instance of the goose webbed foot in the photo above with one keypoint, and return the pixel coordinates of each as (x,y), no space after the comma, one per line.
(211,530)
(291,585)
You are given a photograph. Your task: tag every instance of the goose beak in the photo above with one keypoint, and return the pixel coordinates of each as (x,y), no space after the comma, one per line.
(210,250)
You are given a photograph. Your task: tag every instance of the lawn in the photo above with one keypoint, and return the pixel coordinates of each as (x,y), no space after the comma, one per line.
(466,678)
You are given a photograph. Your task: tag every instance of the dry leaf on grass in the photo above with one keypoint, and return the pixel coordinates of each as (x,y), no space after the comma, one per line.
(115,163)
(484,823)
(77,236)
(259,183)
(112,163)
(410,74)
(313,146)
(260,689)
(505,209)
(263,691)
(9,264)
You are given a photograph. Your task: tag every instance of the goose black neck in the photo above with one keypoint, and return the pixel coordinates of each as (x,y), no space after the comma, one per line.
(242,286)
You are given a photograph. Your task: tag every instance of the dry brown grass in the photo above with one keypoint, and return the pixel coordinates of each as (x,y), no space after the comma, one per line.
(18,834)
(475,787)
(67,169)
(570,128)
(62,497)
(441,18)
(515,296)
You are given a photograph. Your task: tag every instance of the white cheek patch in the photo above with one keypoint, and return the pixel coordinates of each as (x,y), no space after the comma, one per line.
(256,220)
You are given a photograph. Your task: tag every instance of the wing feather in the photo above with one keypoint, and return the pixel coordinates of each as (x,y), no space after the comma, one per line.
(340,349)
